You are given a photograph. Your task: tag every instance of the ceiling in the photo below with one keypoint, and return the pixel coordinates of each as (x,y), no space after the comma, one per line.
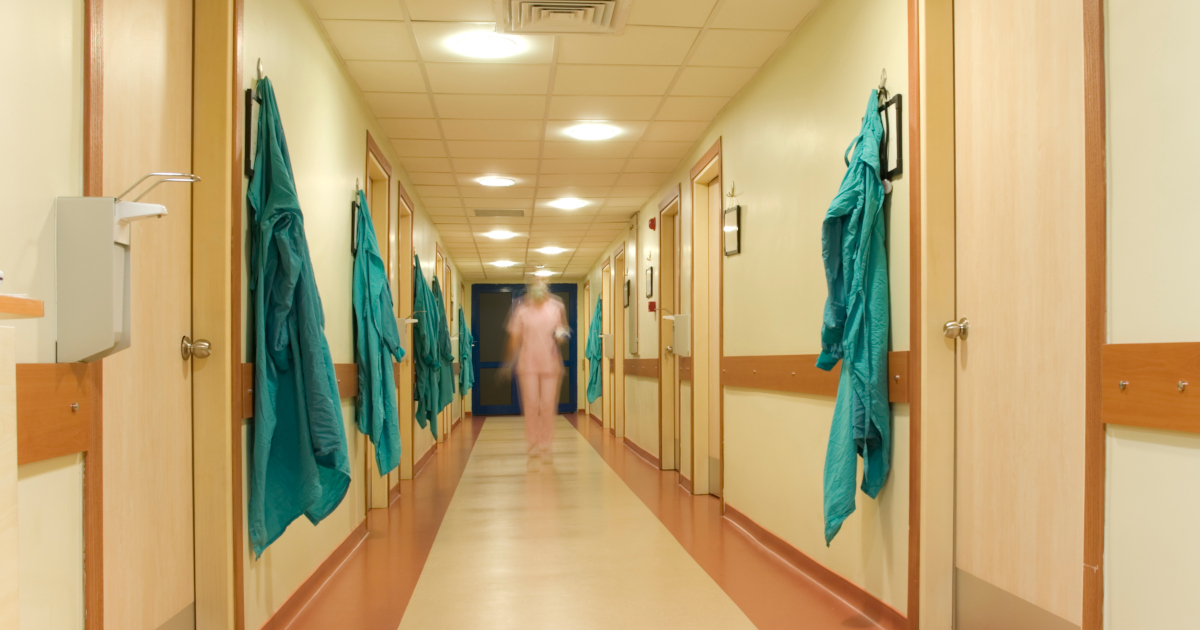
(453,119)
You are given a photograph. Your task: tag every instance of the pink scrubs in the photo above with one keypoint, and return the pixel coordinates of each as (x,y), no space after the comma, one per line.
(539,367)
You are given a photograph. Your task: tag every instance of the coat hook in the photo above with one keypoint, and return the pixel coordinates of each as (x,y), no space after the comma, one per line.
(883,79)
(1122,385)
(732,190)
(260,69)
(1182,385)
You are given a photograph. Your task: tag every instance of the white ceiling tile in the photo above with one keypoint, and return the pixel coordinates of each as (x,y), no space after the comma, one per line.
(411,128)
(490,107)
(577,149)
(488,78)
(493,129)
(613,80)
(638,45)
(577,179)
(673,131)
(426,165)
(603,107)
(477,149)
(432,179)
(703,108)
(505,166)
(651,165)
(763,14)
(419,148)
(504,204)
(662,150)
(451,10)
(436,211)
(371,41)
(705,81)
(625,202)
(556,130)
(543,202)
(449,220)
(582,166)
(670,12)
(497,193)
(634,191)
(433,39)
(599,192)
(442,202)
(745,49)
(357,9)
(437,191)
(387,76)
(392,105)
(641,179)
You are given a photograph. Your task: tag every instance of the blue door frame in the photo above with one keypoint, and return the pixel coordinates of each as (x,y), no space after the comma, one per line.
(570,363)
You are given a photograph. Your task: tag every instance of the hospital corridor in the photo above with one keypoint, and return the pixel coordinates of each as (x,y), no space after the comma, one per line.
(598,314)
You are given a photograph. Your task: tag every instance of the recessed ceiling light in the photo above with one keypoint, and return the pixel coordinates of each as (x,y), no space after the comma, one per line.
(568,203)
(552,250)
(492,180)
(484,45)
(543,273)
(503,263)
(592,131)
(500,235)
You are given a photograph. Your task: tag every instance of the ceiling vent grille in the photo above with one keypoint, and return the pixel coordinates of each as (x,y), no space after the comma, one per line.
(489,212)
(563,16)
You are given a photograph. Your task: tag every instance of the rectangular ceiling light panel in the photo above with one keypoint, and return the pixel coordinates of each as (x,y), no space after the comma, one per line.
(562,16)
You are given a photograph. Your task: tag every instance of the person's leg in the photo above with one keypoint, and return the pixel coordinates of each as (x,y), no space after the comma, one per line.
(531,403)
(549,405)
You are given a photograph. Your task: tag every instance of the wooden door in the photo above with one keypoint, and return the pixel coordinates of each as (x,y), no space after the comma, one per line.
(619,311)
(668,373)
(606,317)
(1020,281)
(148,553)
(405,400)
(378,191)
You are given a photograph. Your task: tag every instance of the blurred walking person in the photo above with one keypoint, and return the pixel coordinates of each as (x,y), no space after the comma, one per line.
(536,326)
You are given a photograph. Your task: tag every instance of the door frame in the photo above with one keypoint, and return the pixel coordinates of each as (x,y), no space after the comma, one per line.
(377,171)
(620,316)
(403,282)
(607,367)
(668,362)
(707,374)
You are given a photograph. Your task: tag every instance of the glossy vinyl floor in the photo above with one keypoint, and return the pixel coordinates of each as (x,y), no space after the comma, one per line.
(602,539)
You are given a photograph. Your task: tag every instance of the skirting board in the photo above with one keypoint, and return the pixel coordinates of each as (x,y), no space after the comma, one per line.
(299,599)
(869,605)
(643,453)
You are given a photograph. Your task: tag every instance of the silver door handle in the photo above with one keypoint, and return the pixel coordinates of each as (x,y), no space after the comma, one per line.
(200,349)
(956,329)
(670,349)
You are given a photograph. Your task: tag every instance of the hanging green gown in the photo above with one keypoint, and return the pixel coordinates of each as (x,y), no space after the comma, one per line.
(595,356)
(445,351)
(298,458)
(425,351)
(376,342)
(466,355)
(855,328)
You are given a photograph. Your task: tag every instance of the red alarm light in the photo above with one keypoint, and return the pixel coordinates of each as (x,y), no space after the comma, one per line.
(652,306)
(652,222)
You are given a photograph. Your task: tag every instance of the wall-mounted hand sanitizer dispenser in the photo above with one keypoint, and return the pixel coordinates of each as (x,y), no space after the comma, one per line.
(93,274)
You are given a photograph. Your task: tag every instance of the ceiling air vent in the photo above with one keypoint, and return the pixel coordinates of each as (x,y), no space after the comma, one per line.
(562,16)
(489,212)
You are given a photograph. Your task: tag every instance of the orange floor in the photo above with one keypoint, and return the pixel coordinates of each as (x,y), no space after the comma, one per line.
(374,586)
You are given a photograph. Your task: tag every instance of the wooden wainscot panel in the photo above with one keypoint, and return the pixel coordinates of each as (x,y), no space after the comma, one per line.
(798,374)
(685,368)
(56,403)
(1152,396)
(346,374)
(641,367)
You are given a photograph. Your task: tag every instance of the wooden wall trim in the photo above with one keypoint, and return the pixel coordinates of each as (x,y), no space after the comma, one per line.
(685,369)
(420,463)
(870,606)
(346,374)
(295,603)
(237,180)
(93,98)
(704,160)
(93,185)
(1152,398)
(13,307)
(1096,255)
(798,374)
(641,367)
(47,426)
(376,152)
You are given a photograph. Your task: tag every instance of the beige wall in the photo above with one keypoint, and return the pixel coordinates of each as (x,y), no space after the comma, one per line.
(326,119)
(783,138)
(1151,551)
(41,157)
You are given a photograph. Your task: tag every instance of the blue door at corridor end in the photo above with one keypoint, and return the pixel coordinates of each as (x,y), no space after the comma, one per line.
(496,392)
